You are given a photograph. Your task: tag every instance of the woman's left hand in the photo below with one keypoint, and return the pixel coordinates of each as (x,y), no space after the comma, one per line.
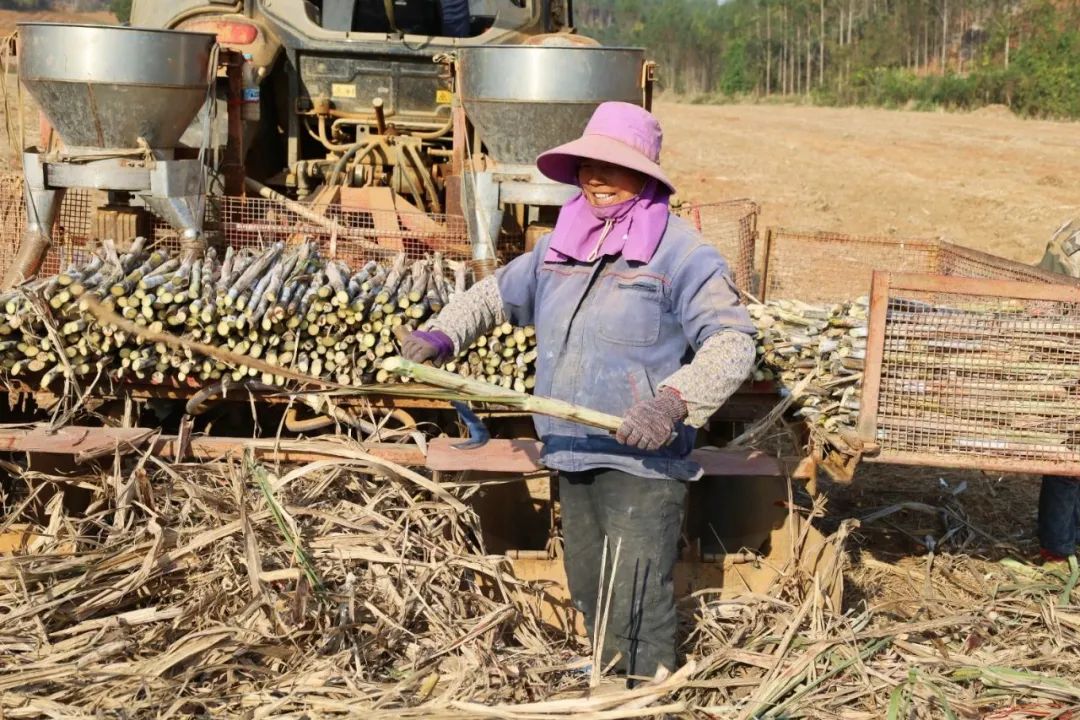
(650,424)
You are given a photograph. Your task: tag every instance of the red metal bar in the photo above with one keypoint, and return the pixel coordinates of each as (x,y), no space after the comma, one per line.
(86,443)
(232,166)
(875,349)
(763,289)
(970,462)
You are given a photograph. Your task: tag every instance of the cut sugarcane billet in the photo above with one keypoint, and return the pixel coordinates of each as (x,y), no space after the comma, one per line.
(485,392)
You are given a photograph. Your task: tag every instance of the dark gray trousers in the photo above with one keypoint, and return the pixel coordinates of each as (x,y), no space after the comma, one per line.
(1059,515)
(647,515)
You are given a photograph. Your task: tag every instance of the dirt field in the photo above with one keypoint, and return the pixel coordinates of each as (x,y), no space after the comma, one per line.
(8,18)
(986,179)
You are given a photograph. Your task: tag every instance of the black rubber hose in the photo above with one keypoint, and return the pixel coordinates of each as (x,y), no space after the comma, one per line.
(200,402)
(367,146)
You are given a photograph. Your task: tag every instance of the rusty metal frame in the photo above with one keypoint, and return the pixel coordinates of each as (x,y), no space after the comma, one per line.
(503,456)
(232,166)
(884,287)
(86,443)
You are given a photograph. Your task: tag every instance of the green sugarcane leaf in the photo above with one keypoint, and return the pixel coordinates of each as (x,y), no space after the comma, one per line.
(945,707)
(896,702)
(302,558)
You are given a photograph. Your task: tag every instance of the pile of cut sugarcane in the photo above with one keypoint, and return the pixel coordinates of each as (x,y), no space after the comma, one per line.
(286,306)
(816,353)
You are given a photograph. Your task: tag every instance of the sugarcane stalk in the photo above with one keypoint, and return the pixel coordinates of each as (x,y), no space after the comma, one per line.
(335,281)
(474,389)
(227,265)
(421,272)
(258,293)
(460,271)
(393,279)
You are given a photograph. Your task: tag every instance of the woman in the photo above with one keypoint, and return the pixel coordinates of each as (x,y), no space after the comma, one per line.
(622,294)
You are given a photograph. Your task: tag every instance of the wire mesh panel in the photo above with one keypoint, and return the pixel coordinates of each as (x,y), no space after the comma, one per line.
(961,261)
(824,267)
(349,233)
(827,267)
(12,218)
(70,232)
(973,373)
(352,234)
(731,227)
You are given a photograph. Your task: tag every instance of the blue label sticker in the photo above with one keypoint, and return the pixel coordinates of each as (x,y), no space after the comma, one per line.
(251,94)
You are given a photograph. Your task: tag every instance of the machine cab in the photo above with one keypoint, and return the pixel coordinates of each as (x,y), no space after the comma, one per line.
(306,23)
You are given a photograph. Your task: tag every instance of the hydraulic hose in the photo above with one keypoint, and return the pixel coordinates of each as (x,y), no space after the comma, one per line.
(367,146)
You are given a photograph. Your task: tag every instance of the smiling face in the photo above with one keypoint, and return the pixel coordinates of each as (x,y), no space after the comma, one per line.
(605,184)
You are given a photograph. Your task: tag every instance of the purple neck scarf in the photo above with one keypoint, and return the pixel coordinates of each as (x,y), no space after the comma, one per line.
(634,227)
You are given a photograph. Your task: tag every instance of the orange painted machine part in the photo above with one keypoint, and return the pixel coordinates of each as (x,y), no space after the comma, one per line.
(45,132)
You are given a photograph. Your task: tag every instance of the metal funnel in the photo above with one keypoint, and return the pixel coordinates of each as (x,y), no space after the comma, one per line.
(105,86)
(524,100)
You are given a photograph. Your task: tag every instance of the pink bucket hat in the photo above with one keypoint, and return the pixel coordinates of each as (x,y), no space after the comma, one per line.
(619,133)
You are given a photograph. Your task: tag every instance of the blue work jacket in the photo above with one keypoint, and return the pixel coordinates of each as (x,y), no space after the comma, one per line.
(610,331)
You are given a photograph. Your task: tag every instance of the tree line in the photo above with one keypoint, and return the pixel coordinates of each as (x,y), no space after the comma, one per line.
(921,53)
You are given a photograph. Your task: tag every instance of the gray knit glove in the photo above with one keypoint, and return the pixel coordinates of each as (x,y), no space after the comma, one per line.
(649,424)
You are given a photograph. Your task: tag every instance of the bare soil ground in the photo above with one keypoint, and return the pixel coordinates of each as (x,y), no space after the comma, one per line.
(8,18)
(986,179)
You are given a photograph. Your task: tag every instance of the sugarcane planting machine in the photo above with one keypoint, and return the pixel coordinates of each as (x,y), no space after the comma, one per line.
(299,241)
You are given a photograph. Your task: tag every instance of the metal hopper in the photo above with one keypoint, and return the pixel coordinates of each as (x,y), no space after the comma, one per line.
(106,87)
(120,98)
(526,99)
